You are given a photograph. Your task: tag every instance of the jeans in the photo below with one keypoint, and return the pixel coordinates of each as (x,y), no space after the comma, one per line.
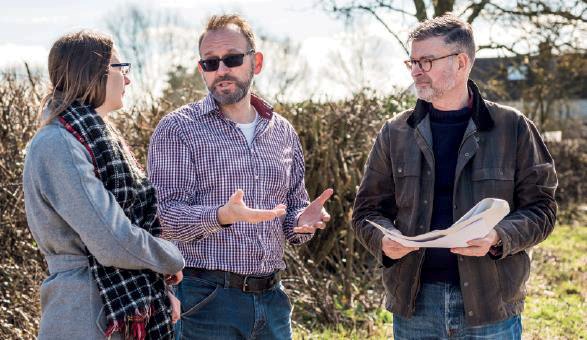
(440,314)
(211,310)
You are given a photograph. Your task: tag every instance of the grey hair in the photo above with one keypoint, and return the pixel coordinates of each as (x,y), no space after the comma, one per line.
(450,27)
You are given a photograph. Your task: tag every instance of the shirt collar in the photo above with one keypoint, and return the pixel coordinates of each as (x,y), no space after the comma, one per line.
(264,109)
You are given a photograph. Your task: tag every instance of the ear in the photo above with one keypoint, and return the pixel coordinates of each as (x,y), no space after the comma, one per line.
(202,73)
(464,61)
(258,62)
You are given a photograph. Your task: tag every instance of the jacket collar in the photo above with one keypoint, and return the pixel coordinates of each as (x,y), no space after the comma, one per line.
(480,115)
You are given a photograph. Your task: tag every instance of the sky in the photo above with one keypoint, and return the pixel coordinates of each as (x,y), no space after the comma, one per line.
(338,57)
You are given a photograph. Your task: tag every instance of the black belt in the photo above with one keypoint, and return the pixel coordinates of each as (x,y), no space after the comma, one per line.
(246,283)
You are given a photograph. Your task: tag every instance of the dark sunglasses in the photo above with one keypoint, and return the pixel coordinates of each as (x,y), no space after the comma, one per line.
(232,60)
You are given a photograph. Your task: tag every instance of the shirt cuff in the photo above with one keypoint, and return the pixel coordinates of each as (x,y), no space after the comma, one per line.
(299,238)
(209,220)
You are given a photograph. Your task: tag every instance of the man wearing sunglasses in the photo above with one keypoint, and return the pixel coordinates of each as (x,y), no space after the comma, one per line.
(229,174)
(428,167)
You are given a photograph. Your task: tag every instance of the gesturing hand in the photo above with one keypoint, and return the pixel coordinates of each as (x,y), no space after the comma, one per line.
(235,210)
(314,216)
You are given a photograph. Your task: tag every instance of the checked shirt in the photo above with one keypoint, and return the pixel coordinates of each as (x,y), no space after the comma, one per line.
(198,159)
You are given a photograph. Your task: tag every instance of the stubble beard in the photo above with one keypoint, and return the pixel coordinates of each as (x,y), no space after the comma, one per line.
(226,97)
(436,91)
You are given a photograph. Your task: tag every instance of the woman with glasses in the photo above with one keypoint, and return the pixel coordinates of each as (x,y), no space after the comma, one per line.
(91,209)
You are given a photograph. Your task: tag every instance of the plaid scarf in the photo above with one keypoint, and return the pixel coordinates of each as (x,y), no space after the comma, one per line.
(135,301)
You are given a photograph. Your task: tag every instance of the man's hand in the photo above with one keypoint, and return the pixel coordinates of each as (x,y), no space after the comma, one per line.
(478,247)
(175,307)
(174,279)
(235,210)
(314,216)
(394,249)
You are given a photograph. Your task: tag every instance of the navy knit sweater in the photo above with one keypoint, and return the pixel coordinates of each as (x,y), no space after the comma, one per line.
(448,128)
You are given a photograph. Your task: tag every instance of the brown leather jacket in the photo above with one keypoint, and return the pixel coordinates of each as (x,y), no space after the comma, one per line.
(502,156)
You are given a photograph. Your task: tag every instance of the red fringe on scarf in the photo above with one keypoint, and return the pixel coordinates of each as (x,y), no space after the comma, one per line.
(133,328)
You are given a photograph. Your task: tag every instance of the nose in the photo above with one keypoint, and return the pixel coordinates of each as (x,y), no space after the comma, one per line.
(126,80)
(222,69)
(416,70)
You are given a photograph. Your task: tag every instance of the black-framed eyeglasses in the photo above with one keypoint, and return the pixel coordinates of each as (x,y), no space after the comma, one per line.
(124,67)
(231,60)
(425,64)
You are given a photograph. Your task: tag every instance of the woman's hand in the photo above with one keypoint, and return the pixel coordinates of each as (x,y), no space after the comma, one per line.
(174,279)
(175,307)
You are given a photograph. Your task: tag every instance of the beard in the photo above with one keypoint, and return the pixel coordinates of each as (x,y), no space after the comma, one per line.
(228,97)
(436,90)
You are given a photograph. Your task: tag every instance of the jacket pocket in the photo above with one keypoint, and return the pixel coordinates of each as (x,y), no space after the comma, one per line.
(407,181)
(494,183)
(196,293)
(513,272)
(101,320)
(96,305)
(391,282)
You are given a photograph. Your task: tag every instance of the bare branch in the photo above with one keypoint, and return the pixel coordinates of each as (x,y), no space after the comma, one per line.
(388,29)
(442,6)
(476,8)
(538,8)
(496,46)
(371,8)
(31,81)
(384,5)
(420,10)
(347,11)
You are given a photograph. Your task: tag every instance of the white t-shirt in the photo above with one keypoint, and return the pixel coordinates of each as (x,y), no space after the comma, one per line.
(248,129)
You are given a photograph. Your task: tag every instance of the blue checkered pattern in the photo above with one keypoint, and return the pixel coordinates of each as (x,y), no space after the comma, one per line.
(198,158)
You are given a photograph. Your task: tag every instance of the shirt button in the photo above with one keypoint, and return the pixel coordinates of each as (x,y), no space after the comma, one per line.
(470,313)
(466,284)
(420,227)
(425,201)
(461,258)
(428,172)
(256,177)
(466,154)
(455,207)
(399,170)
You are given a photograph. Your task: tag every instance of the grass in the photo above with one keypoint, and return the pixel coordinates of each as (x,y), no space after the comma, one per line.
(556,305)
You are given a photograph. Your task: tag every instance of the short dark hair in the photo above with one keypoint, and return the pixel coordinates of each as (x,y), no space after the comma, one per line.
(450,27)
(217,22)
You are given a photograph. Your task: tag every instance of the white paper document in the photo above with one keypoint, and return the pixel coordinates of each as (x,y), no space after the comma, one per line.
(476,223)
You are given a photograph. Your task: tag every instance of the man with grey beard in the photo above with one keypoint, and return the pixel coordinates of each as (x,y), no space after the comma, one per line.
(229,174)
(428,167)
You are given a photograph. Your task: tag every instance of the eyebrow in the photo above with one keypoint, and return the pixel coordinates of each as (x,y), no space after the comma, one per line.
(230,51)
(427,56)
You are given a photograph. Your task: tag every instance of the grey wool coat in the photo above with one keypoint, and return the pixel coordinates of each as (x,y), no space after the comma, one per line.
(68,210)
